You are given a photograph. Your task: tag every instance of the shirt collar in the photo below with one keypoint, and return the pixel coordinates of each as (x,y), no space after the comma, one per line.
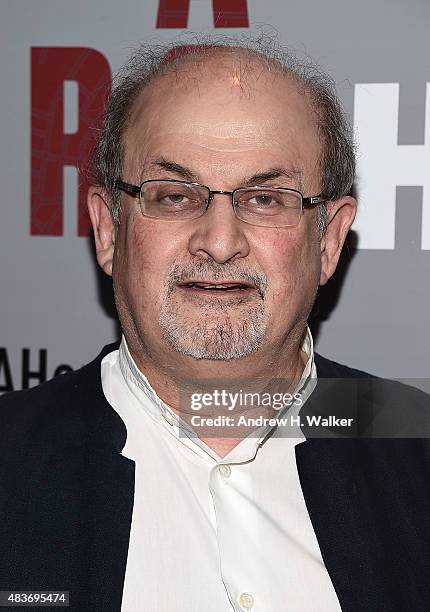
(141,388)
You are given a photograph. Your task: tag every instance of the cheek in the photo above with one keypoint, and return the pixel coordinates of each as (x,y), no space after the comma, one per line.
(291,261)
(146,253)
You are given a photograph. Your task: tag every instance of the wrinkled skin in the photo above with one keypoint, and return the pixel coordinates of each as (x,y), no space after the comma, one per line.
(223,126)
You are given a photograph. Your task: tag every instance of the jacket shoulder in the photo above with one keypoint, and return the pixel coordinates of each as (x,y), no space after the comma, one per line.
(384,408)
(326,368)
(47,411)
(51,391)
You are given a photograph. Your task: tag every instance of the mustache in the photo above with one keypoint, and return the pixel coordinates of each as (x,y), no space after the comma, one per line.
(211,271)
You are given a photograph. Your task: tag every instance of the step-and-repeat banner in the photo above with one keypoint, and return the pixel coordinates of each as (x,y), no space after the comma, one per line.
(56,62)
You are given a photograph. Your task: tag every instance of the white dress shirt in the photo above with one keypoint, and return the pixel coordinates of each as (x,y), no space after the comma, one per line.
(211,534)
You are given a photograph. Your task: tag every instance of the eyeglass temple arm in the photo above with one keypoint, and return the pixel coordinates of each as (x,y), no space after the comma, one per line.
(132,190)
(313,201)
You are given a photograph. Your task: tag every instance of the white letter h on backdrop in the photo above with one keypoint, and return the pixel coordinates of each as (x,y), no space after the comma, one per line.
(383,164)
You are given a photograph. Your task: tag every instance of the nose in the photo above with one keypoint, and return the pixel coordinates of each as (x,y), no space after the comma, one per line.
(218,234)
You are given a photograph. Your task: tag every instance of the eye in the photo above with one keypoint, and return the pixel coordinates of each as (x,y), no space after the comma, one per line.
(172,195)
(260,199)
(263,200)
(172,200)
(175,198)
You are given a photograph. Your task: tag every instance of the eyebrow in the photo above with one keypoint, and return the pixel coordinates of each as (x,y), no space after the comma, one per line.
(273,173)
(258,178)
(172,166)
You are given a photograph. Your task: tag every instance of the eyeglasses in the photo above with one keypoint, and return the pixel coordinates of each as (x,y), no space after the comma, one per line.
(262,206)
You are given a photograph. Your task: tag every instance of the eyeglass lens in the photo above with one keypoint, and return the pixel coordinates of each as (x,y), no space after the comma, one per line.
(260,206)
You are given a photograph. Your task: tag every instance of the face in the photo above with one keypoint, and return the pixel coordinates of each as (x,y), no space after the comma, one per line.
(216,288)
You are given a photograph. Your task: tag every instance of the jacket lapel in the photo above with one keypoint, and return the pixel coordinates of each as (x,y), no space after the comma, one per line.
(341,514)
(109,479)
(336,494)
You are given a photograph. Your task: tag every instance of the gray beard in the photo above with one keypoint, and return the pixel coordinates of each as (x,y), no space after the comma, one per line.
(215,337)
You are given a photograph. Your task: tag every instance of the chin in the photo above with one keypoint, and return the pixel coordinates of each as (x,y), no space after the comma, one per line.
(218,338)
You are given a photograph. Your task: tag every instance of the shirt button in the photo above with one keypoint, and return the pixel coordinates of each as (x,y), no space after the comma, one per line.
(246,601)
(224,470)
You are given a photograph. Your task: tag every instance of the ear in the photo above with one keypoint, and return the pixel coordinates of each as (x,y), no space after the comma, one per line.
(103,226)
(341,214)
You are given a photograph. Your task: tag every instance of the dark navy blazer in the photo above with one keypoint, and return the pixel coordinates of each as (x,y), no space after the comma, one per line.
(66,493)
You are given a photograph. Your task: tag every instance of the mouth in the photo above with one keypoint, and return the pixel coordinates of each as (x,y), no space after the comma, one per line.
(218,288)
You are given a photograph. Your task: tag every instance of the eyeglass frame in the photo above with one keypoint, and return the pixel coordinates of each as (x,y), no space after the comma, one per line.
(135,190)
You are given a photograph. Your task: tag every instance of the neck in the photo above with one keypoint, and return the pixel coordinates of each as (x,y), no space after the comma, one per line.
(216,421)
(170,372)
(179,381)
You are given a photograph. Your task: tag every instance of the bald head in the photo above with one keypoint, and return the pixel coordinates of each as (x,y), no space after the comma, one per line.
(243,70)
(228,104)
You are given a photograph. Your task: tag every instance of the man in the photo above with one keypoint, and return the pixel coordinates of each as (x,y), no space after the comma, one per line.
(221,204)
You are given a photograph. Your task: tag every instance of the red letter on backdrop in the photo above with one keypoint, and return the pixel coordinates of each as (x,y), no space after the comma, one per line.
(51,149)
(227,13)
(230,13)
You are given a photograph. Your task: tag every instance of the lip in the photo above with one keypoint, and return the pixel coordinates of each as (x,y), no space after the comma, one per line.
(228,282)
(218,288)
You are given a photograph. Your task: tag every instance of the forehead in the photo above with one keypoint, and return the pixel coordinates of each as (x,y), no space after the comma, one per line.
(226,110)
